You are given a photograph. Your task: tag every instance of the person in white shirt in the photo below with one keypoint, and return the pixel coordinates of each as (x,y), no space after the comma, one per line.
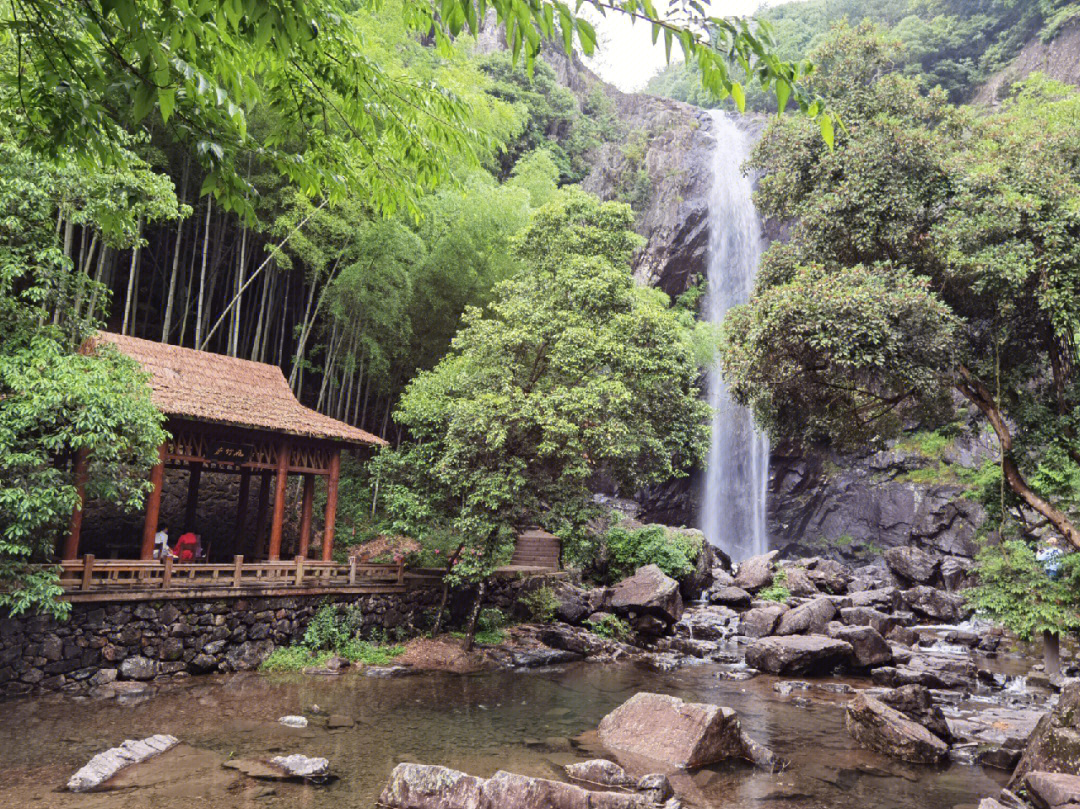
(161,542)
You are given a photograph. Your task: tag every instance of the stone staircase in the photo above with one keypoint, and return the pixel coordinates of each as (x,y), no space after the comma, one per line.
(536,549)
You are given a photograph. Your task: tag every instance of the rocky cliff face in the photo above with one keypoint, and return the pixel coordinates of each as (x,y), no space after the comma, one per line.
(1059,59)
(850,508)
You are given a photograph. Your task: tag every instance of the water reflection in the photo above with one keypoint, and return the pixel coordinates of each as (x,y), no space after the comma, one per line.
(529,723)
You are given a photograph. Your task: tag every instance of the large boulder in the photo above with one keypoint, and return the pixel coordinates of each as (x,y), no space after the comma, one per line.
(797,654)
(138,667)
(666,729)
(1054,745)
(1052,790)
(798,582)
(734,597)
(912,564)
(650,592)
(868,616)
(105,765)
(692,585)
(761,621)
(829,575)
(869,649)
(427,786)
(810,618)
(513,791)
(937,605)
(885,730)
(572,604)
(916,703)
(756,572)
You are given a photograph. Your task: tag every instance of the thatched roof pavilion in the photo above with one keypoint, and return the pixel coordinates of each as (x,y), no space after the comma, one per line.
(231,415)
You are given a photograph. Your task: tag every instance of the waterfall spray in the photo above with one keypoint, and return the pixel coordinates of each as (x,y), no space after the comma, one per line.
(736,480)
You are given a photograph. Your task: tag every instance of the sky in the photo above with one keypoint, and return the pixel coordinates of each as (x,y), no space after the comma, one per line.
(626,56)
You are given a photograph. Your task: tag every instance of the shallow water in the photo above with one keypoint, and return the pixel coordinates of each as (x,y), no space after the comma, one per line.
(521,722)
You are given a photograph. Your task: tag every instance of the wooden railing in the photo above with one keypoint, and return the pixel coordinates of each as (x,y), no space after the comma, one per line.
(90,575)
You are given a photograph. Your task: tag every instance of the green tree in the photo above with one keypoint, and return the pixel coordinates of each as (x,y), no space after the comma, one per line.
(573,371)
(78,75)
(54,401)
(932,254)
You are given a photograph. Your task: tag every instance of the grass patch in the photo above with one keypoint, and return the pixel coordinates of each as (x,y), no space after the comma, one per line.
(777,591)
(483,637)
(611,627)
(370,654)
(293,658)
(928,443)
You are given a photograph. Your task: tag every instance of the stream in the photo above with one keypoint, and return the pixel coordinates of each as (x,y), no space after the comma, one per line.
(525,722)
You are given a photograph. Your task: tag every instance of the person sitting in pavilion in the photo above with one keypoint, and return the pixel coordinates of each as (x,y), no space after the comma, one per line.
(188,547)
(161,541)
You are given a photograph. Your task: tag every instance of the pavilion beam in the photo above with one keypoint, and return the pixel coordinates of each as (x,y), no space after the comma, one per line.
(305,515)
(331,505)
(192,510)
(260,519)
(153,505)
(242,507)
(71,542)
(284,450)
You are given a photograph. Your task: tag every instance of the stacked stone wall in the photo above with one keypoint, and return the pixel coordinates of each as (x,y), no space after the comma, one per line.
(102,642)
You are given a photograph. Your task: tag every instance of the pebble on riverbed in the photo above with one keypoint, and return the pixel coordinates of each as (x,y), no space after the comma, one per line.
(105,765)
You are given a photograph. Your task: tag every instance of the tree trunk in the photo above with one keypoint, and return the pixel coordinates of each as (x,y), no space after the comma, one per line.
(133,280)
(980,396)
(1052,654)
(474,614)
(166,325)
(200,301)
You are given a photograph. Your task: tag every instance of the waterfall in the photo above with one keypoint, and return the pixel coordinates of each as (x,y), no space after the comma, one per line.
(736,479)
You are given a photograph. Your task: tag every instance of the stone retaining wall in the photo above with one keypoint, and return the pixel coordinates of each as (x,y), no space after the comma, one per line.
(100,643)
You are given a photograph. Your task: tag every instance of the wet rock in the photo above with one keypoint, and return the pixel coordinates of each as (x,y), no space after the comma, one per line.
(599,771)
(916,703)
(868,616)
(799,583)
(869,649)
(887,598)
(955,572)
(648,591)
(786,687)
(666,729)
(298,766)
(574,639)
(535,658)
(761,621)
(105,765)
(711,623)
(293,721)
(810,618)
(870,577)
(513,791)
(427,786)
(734,597)
(829,575)
(138,668)
(335,721)
(797,654)
(1054,745)
(700,579)
(934,604)
(756,572)
(573,605)
(902,635)
(249,655)
(1053,790)
(885,730)
(912,564)
(655,787)
(650,625)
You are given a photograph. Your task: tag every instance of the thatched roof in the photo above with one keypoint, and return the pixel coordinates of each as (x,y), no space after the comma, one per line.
(217,389)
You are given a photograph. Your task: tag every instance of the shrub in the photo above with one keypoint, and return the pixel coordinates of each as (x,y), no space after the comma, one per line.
(327,630)
(293,658)
(368,653)
(777,591)
(490,619)
(483,637)
(541,604)
(611,627)
(631,548)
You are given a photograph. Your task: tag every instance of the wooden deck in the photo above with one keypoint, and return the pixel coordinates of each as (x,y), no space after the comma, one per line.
(90,579)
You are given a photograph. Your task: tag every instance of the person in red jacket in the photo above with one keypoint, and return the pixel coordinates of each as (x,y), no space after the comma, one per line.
(188,547)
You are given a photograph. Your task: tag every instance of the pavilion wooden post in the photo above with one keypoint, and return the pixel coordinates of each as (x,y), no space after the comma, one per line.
(191,512)
(242,507)
(331,505)
(305,515)
(283,452)
(260,519)
(71,543)
(153,506)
